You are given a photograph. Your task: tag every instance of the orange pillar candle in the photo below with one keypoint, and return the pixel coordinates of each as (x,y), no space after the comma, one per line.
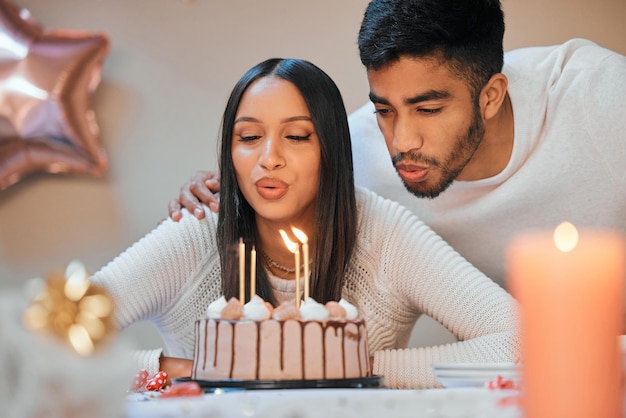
(570,288)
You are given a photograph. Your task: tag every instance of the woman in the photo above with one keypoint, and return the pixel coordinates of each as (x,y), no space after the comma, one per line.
(286,161)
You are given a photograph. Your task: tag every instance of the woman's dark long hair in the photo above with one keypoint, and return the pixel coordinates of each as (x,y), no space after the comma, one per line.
(335,224)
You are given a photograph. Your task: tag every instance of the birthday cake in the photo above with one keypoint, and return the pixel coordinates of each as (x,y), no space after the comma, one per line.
(258,342)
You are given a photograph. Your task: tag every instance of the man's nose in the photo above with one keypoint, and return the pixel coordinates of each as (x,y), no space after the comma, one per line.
(406,135)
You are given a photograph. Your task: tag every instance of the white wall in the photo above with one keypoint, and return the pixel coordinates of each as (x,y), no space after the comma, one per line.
(164,84)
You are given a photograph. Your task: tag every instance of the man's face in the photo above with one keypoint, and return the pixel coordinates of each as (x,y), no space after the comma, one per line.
(429,120)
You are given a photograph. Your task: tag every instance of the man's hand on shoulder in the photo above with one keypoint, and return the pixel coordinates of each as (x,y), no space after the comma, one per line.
(202,187)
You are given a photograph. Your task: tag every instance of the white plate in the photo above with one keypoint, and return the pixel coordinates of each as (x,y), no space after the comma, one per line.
(476,366)
(507,374)
(474,374)
(451,382)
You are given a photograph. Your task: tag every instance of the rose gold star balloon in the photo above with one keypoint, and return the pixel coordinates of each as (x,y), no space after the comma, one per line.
(46,81)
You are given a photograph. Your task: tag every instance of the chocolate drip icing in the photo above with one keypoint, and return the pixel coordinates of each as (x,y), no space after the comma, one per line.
(206,341)
(338,334)
(358,349)
(258,349)
(302,351)
(232,348)
(196,354)
(324,350)
(281,324)
(217,338)
(339,325)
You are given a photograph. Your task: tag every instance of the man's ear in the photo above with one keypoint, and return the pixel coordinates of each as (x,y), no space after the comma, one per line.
(492,95)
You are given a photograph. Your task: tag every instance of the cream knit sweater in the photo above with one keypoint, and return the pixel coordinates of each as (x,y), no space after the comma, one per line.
(568,161)
(399,270)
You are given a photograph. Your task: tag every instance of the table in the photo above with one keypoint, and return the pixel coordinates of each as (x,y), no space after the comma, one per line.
(333,403)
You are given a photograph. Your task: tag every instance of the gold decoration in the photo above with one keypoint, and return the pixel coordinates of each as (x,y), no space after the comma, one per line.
(72,309)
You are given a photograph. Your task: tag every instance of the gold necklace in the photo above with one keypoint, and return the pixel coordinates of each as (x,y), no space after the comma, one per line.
(279,266)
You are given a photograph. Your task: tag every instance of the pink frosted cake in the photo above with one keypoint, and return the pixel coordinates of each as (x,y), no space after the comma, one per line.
(281,344)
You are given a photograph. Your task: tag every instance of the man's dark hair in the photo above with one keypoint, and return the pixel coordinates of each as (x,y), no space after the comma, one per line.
(466,34)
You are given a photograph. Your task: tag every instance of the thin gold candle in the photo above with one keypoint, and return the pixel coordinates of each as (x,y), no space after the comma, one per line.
(297,259)
(307,285)
(242,270)
(305,253)
(293,247)
(252,272)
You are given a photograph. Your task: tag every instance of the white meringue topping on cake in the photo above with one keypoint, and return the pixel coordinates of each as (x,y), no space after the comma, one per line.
(214,310)
(255,309)
(313,311)
(351,311)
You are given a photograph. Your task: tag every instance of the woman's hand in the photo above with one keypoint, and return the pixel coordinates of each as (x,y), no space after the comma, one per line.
(175,367)
(202,187)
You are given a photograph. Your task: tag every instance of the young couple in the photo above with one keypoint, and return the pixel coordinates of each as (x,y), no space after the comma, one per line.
(449,116)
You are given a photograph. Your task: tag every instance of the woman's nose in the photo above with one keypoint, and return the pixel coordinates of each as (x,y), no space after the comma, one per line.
(271,156)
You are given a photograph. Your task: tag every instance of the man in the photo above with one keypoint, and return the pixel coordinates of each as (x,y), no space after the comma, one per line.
(484,149)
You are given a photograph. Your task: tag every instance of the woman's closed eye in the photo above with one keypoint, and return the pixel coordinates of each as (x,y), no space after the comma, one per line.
(248,138)
(299,137)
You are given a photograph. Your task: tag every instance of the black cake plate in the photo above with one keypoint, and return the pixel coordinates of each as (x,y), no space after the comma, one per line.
(228,385)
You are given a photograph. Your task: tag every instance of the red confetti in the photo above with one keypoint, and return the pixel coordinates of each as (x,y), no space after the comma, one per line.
(182,389)
(139,380)
(157,381)
(510,401)
(501,383)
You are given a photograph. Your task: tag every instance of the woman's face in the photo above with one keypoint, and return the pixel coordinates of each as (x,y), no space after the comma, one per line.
(276,152)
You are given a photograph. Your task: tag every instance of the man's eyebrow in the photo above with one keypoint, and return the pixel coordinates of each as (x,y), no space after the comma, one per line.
(376,99)
(426,96)
(423,97)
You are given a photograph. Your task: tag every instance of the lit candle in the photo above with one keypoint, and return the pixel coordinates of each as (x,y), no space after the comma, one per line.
(252,272)
(242,271)
(570,287)
(294,248)
(305,252)
(296,254)
(307,285)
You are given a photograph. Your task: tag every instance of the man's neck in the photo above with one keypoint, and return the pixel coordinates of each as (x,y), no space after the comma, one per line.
(494,152)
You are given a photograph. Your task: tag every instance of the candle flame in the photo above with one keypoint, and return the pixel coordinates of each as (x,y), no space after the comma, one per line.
(565,237)
(300,235)
(292,246)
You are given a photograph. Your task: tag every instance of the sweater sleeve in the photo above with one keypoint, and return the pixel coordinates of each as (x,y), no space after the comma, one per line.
(148,280)
(148,360)
(148,277)
(421,273)
(603,110)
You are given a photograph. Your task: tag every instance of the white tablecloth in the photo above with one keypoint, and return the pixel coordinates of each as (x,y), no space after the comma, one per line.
(332,403)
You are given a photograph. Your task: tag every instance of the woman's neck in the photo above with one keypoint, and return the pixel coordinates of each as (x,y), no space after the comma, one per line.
(275,254)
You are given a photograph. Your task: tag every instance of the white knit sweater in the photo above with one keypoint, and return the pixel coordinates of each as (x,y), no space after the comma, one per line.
(399,270)
(568,161)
